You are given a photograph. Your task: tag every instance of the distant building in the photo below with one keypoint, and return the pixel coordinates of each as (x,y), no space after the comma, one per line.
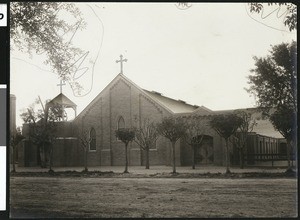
(12,120)
(121,104)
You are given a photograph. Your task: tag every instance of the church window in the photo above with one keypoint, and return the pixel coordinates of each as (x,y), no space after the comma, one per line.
(93,140)
(121,123)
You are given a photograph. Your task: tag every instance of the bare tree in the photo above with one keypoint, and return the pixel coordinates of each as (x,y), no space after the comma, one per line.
(239,139)
(146,136)
(126,135)
(41,131)
(226,125)
(15,139)
(173,129)
(194,135)
(85,140)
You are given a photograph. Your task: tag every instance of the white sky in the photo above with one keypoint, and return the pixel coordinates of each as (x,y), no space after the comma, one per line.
(201,55)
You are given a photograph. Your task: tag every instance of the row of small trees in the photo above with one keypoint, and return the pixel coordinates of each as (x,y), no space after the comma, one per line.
(42,133)
(174,128)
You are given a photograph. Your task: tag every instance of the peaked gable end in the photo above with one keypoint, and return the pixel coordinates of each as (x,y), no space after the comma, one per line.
(115,82)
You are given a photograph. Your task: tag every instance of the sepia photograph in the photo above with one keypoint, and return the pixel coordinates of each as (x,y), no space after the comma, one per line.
(153,110)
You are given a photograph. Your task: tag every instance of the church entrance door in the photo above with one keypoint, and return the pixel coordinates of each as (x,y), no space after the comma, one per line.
(205,151)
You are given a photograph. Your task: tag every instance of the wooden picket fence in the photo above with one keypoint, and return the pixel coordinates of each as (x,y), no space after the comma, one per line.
(268,157)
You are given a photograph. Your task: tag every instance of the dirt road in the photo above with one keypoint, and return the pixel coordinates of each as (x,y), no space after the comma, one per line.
(152,197)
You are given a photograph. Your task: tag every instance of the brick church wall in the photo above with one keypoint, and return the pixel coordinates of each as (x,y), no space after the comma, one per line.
(92,119)
(161,154)
(67,152)
(123,100)
(120,106)
(66,149)
(27,154)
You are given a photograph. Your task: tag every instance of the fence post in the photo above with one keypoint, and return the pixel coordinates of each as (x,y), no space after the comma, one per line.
(272,157)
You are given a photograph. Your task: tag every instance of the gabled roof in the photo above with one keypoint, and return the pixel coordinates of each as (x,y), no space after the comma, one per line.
(61,99)
(264,127)
(170,105)
(176,106)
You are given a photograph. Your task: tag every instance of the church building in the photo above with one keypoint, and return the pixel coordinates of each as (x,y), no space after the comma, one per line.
(123,104)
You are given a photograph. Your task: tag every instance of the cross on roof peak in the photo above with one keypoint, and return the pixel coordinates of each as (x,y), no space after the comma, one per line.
(121,61)
(61,84)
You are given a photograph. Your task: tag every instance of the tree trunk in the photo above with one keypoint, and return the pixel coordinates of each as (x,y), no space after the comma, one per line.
(43,156)
(85,159)
(141,155)
(13,159)
(241,158)
(288,149)
(173,152)
(227,157)
(147,158)
(50,159)
(194,156)
(126,160)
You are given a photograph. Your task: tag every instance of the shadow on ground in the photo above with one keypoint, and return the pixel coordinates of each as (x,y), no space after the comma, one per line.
(111,174)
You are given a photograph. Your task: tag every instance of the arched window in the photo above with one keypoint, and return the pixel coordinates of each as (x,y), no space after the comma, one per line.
(93,139)
(121,123)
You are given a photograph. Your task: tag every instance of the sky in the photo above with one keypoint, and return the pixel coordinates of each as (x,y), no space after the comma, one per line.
(201,54)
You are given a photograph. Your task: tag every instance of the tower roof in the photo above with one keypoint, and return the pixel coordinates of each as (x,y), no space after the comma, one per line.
(61,99)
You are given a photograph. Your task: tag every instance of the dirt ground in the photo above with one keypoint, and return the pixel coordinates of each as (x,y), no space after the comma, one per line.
(152,197)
